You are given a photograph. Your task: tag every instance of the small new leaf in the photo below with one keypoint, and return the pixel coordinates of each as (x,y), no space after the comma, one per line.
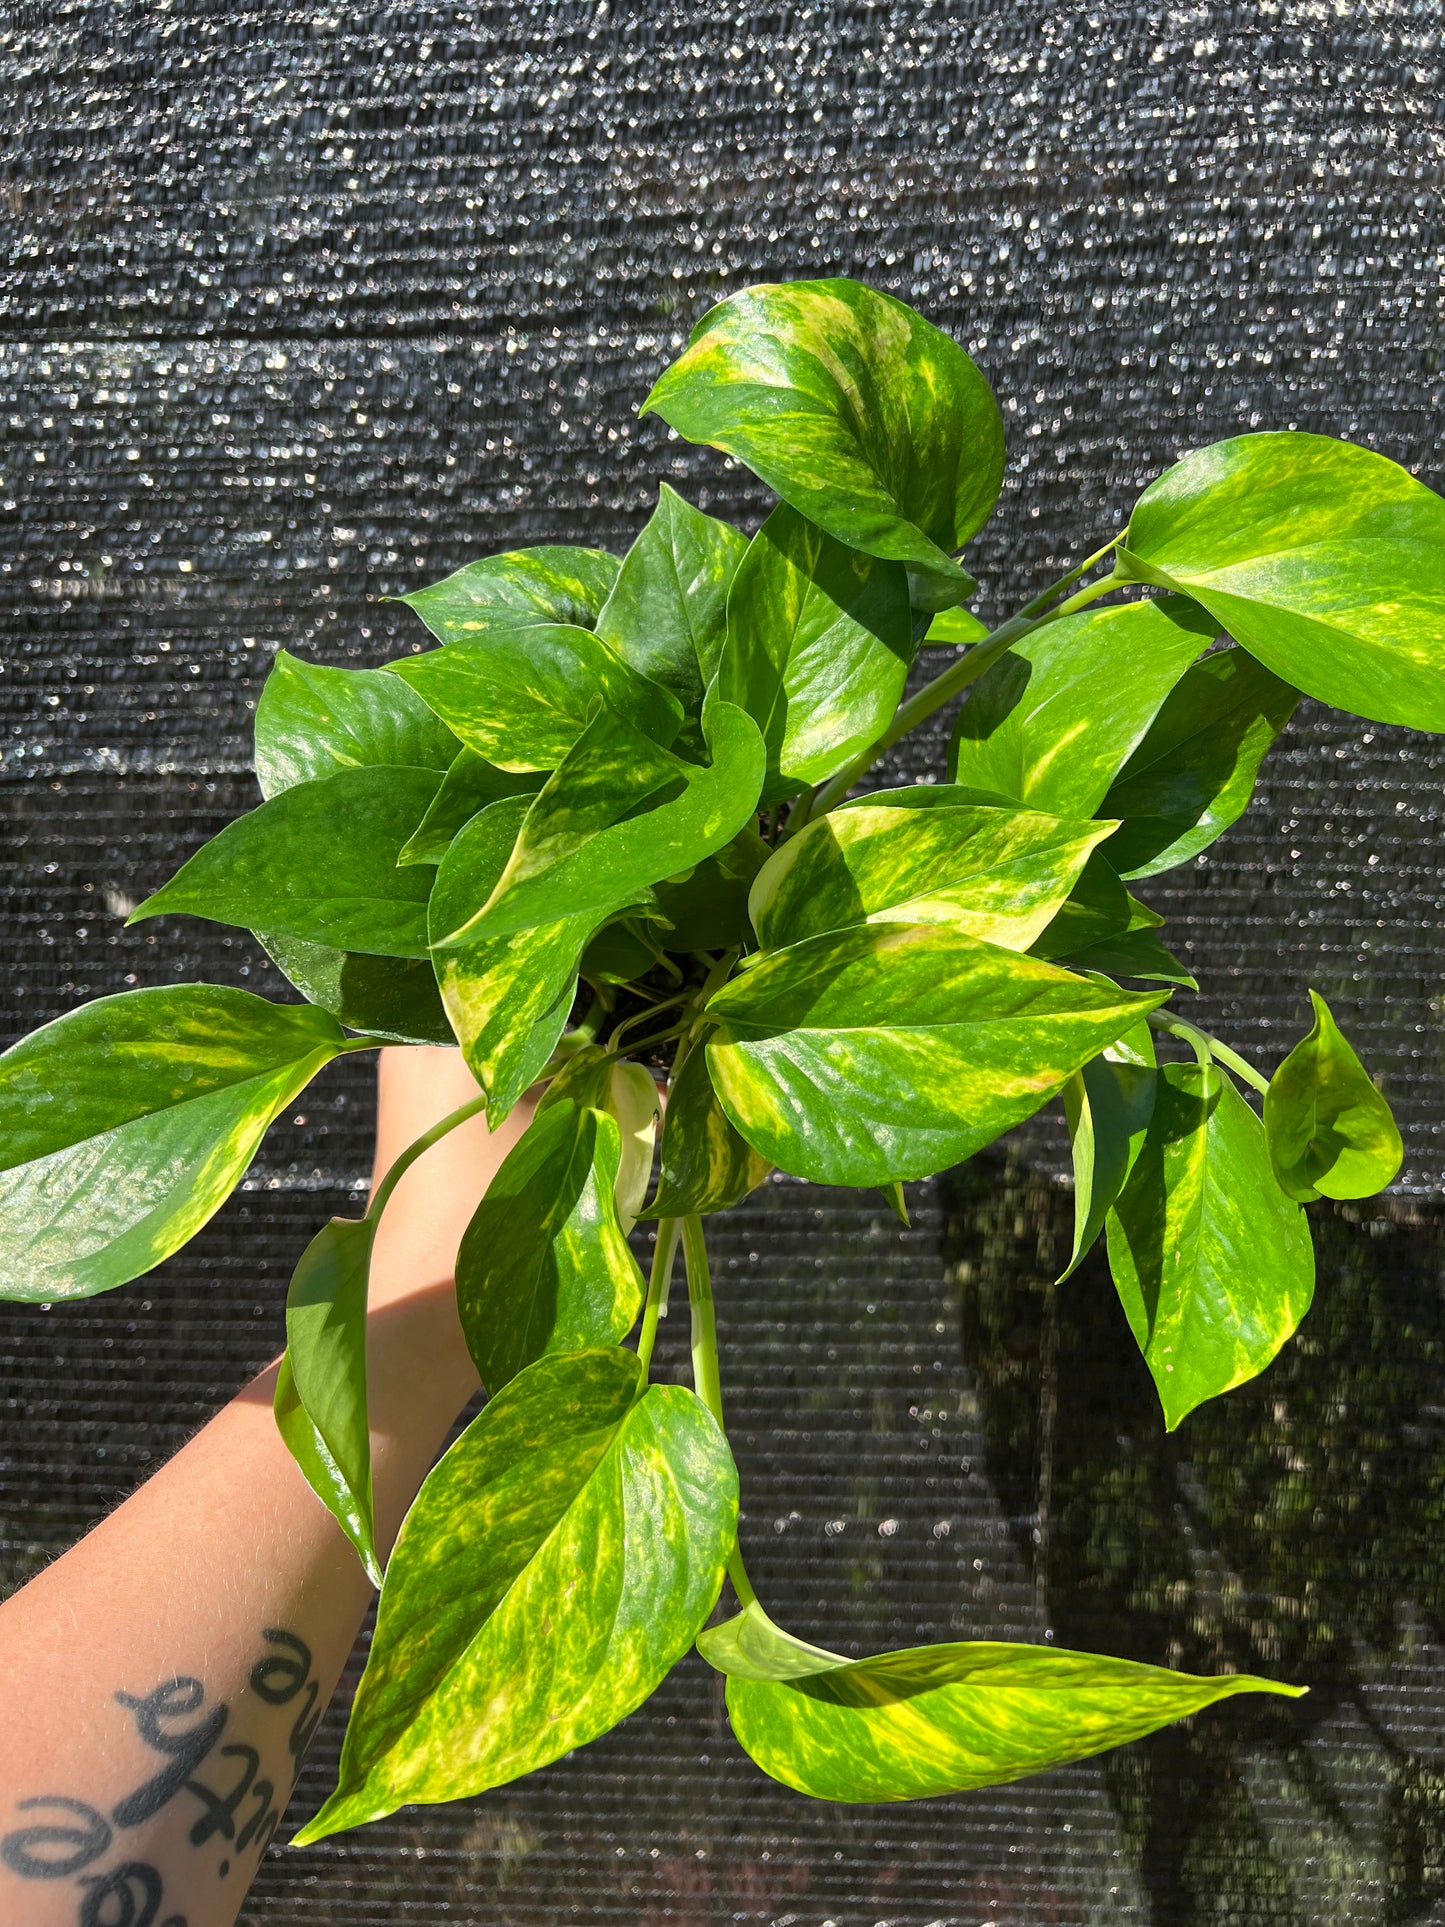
(1330,1132)
(706,1165)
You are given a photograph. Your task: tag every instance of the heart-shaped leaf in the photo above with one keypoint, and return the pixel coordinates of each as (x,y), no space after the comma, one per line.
(895,1050)
(318,862)
(1325,560)
(1212,1263)
(997,873)
(940,1719)
(555,1566)
(1330,1132)
(864,417)
(1194,773)
(706,1165)
(312,721)
(550,584)
(126,1124)
(320,1401)
(667,611)
(819,639)
(1052,722)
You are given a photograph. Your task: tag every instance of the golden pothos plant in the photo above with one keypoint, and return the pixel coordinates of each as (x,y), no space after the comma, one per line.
(614,819)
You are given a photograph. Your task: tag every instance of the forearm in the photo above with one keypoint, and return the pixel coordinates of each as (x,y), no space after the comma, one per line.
(160,1683)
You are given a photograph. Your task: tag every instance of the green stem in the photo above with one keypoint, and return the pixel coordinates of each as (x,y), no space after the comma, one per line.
(1206,1047)
(1042,600)
(706,1377)
(669,1230)
(641,1016)
(955,678)
(413,1151)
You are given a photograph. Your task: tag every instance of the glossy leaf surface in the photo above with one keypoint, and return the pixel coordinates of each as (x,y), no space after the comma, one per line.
(895,1050)
(819,639)
(470,784)
(955,625)
(999,874)
(1108,1104)
(395,998)
(579,851)
(321,1407)
(520,697)
(1194,773)
(544,1265)
(1097,909)
(318,862)
(706,1165)
(1330,1132)
(629,1095)
(1324,559)
(941,1719)
(861,415)
(124,1125)
(555,1566)
(1052,722)
(312,721)
(1213,1264)
(667,612)
(550,584)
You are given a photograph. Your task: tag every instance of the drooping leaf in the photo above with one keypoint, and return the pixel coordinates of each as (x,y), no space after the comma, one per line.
(1212,1263)
(394,998)
(819,639)
(508,998)
(470,784)
(997,873)
(1096,910)
(940,1719)
(706,907)
(126,1124)
(1134,953)
(706,1165)
(1053,722)
(1325,560)
(895,1050)
(1108,1104)
(317,862)
(860,414)
(570,859)
(544,1265)
(544,585)
(667,611)
(1330,1132)
(520,697)
(312,721)
(1194,773)
(555,1566)
(321,1404)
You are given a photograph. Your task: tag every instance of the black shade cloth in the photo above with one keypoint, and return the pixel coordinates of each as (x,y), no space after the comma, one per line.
(302,306)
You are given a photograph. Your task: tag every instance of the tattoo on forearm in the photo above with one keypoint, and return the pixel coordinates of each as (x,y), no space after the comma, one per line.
(67,1836)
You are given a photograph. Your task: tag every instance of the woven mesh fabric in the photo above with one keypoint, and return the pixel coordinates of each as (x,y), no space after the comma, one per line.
(301,306)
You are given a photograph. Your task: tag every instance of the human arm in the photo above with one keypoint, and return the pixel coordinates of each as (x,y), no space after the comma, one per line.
(160,1681)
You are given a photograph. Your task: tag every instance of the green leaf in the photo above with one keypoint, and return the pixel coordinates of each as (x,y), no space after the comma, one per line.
(895,1050)
(1330,1132)
(999,874)
(520,697)
(856,411)
(628,1094)
(706,907)
(543,585)
(1052,722)
(1213,1264)
(819,639)
(1194,773)
(622,951)
(706,1165)
(316,862)
(544,1265)
(394,998)
(581,853)
(1108,1104)
(125,1125)
(941,1719)
(508,998)
(320,1400)
(555,1566)
(1097,909)
(1134,953)
(1325,560)
(312,721)
(955,625)
(470,784)
(667,611)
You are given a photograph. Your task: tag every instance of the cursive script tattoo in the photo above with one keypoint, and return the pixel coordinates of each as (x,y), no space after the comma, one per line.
(62,1838)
